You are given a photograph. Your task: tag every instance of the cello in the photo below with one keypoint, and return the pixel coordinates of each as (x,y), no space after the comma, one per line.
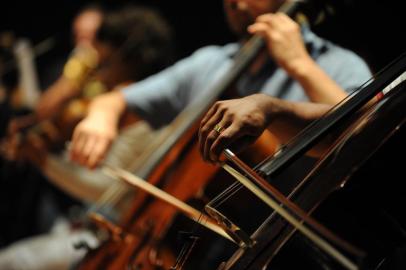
(163,163)
(124,254)
(343,190)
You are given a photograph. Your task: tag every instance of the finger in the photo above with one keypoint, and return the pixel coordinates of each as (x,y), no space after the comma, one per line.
(88,148)
(76,133)
(233,138)
(264,18)
(271,23)
(270,34)
(285,24)
(98,153)
(259,29)
(223,140)
(273,20)
(203,129)
(80,156)
(283,18)
(213,135)
(77,144)
(210,113)
(205,152)
(207,128)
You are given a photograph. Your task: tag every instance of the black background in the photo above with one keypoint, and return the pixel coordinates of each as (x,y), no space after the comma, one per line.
(371,28)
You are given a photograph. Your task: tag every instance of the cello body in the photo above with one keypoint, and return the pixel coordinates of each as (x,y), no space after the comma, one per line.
(356,189)
(149,237)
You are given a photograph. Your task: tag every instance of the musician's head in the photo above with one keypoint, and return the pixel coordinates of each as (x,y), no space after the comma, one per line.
(85,24)
(137,37)
(241,13)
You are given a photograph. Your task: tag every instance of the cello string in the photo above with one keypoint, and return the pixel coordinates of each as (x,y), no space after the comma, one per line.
(141,160)
(189,211)
(184,254)
(186,250)
(225,195)
(276,195)
(235,187)
(115,192)
(321,243)
(240,63)
(243,53)
(230,191)
(142,174)
(384,91)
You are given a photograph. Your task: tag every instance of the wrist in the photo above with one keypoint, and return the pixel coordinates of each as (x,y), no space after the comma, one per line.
(108,107)
(300,68)
(275,108)
(268,106)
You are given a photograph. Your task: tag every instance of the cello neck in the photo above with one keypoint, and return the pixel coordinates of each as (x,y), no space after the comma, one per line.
(196,109)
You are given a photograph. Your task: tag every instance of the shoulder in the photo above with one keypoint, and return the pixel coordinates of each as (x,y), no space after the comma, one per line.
(346,64)
(328,52)
(339,62)
(345,57)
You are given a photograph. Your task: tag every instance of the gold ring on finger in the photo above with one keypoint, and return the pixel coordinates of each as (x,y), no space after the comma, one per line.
(217,128)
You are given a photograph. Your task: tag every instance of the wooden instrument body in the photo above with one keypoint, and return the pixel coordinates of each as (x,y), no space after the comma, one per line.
(354,189)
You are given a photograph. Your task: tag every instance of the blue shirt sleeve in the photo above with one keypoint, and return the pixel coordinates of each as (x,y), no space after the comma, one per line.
(345,67)
(159,98)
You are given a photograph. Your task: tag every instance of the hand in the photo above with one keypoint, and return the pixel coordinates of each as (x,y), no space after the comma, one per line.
(55,98)
(31,144)
(91,140)
(12,145)
(93,136)
(284,40)
(239,122)
(18,124)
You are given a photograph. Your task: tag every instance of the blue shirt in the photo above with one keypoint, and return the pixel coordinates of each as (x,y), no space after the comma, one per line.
(159,98)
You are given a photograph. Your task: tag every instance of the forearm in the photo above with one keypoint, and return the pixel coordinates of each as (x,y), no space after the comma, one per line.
(292,118)
(286,119)
(110,107)
(55,98)
(246,118)
(319,87)
(93,136)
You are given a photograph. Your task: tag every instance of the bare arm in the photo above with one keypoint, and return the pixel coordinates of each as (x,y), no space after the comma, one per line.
(289,118)
(237,122)
(286,46)
(93,136)
(82,62)
(55,98)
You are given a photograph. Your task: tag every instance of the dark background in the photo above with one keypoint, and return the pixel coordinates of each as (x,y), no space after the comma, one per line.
(371,28)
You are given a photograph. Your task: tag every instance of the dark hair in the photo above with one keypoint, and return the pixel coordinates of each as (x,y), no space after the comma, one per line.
(141,37)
